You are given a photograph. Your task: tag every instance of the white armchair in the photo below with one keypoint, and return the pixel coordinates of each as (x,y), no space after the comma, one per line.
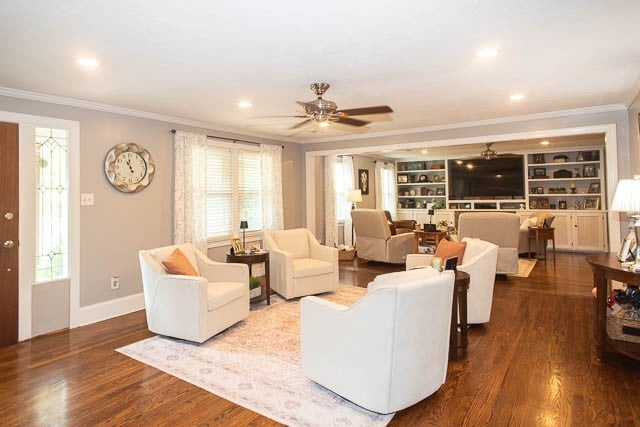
(402,327)
(299,265)
(479,261)
(193,308)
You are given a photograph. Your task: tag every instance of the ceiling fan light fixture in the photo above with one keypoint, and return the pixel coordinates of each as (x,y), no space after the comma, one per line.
(323,124)
(488,153)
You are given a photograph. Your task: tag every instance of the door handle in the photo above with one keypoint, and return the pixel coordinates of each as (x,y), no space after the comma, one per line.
(8,244)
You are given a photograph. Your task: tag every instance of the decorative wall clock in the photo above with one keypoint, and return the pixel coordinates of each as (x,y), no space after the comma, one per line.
(129,167)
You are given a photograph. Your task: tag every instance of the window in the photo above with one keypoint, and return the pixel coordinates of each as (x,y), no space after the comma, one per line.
(388,189)
(234,189)
(343,181)
(52,204)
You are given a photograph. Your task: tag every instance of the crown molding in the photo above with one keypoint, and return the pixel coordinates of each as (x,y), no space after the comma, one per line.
(72,102)
(633,94)
(487,122)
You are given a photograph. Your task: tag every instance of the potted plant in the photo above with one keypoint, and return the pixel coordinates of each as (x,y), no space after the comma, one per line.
(443,225)
(255,289)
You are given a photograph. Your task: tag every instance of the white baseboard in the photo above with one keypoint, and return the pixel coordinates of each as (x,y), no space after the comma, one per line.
(108,309)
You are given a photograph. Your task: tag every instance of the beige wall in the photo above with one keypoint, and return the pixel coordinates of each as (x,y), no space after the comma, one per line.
(634,137)
(119,225)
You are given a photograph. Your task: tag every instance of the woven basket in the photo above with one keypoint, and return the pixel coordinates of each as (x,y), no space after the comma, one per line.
(346,255)
(623,328)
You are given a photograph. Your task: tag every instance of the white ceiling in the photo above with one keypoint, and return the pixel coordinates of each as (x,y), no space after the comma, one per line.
(196,59)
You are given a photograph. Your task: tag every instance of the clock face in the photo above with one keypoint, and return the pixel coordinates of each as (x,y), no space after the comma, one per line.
(129,168)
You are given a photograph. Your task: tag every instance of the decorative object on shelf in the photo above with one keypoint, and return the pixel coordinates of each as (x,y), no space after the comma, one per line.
(539,190)
(538,158)
(363,181)
(403,178)
(539,173)
(129,168)
(488,153)
(562,173)
(573,188)
(439,191)
(562,204)
(543,203)
(592,203)
(412,192)
(576,205)
(589,171)
(437,178)
(561,158)
(437,166)
(418,205)
(588,156)
(627,199)
(422,178)
(577,174)
(594,187)
(243,226)
(533,204)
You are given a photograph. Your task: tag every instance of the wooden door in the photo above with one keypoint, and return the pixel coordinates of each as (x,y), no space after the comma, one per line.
(8,234)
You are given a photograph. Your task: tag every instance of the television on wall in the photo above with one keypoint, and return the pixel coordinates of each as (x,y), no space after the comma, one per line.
(477,178)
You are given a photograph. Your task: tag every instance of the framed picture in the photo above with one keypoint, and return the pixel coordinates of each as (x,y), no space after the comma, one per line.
(403,178)
(594,187)
(236,246)
(626,252)
(562,204)
(589,171)
(539,172)
(592,203)
(363,181)
(539,158)
(539,190)
(533,204)
(543,203)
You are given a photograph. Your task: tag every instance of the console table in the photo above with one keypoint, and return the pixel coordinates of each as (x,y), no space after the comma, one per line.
(606,268)
(255,258)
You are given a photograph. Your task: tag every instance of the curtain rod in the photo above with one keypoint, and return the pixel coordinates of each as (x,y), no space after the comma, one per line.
(234,140)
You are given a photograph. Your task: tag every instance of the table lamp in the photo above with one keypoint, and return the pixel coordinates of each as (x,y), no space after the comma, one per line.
(627,199)
(243,226)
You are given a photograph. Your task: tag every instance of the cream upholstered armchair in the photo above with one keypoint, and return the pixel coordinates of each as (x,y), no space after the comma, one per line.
(374,240)
(499,228)
(402,326)
(479,261)
(299,265)
(193,308)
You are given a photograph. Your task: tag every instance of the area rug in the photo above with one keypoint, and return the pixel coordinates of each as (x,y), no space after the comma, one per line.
(256,364)
(525,266)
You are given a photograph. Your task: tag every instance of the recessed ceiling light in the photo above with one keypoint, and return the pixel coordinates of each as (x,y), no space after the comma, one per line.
(87,62)
(469,166)
(516,97)
(323,124)
(545,142)
(424,151)
(459,162)
(486,53)
(244,104)
(498,176)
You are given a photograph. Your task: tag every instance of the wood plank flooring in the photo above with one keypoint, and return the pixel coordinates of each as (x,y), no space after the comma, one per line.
(534,364)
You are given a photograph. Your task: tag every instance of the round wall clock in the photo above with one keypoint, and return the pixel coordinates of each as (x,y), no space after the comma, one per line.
(129,167)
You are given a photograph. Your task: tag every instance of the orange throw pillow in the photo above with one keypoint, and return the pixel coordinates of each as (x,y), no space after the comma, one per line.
(447,249)
(178,263)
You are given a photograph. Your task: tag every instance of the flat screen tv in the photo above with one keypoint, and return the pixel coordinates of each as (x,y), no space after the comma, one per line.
(477,178)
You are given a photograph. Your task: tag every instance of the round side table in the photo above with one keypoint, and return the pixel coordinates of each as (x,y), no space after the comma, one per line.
(255,258)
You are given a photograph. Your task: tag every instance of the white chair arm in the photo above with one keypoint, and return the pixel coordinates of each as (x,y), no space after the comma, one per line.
(215,271)
(418,261)
(281,270)
(184,296)
(324,253)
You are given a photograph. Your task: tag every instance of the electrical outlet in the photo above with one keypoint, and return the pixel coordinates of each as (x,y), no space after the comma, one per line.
(115,282)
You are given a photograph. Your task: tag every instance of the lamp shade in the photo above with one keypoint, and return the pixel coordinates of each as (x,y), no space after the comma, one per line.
(243,225)
(627,197)
(354,196)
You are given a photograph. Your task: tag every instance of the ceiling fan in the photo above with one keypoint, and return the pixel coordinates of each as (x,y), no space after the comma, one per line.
(488,153)
(323,111)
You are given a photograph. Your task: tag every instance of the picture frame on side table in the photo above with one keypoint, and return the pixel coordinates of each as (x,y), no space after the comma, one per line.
(236,246)
(592,203)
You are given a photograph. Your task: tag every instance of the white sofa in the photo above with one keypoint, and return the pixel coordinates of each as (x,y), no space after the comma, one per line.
(299,265)
(374,240)
(479,261)
(193,308)
(389,350)
(499,228)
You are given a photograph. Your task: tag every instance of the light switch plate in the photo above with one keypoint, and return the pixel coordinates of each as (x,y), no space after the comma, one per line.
(86,199)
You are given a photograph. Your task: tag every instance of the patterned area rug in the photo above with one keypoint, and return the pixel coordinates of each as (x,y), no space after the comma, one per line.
(256,364)
(525,266)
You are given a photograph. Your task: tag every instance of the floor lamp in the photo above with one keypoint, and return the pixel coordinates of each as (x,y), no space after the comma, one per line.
(627,199)
(353,196)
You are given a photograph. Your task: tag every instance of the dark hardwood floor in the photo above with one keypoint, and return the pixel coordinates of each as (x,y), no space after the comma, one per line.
(534,364)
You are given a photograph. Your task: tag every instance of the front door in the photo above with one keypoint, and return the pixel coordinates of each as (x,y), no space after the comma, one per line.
(8,234)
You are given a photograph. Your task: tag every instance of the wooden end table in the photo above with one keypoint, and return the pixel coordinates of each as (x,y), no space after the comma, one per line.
(430,236)
(544,234)
(255,258)
(458,338)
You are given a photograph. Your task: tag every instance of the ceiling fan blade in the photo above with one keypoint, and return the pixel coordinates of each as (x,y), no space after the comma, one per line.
(302,123)
(351,122)
(304,104)
(380,109)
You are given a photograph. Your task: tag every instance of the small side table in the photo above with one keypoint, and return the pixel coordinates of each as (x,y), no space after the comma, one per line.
(255,258)
(433,236)
(544,234)
(458,338)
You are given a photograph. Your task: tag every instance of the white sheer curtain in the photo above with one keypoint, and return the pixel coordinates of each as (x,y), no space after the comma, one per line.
(189,193)
(271,170)
(345,183)
(386,187)
(330,223)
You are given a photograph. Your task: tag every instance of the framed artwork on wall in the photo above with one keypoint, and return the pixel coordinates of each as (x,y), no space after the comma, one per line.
(363,181)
